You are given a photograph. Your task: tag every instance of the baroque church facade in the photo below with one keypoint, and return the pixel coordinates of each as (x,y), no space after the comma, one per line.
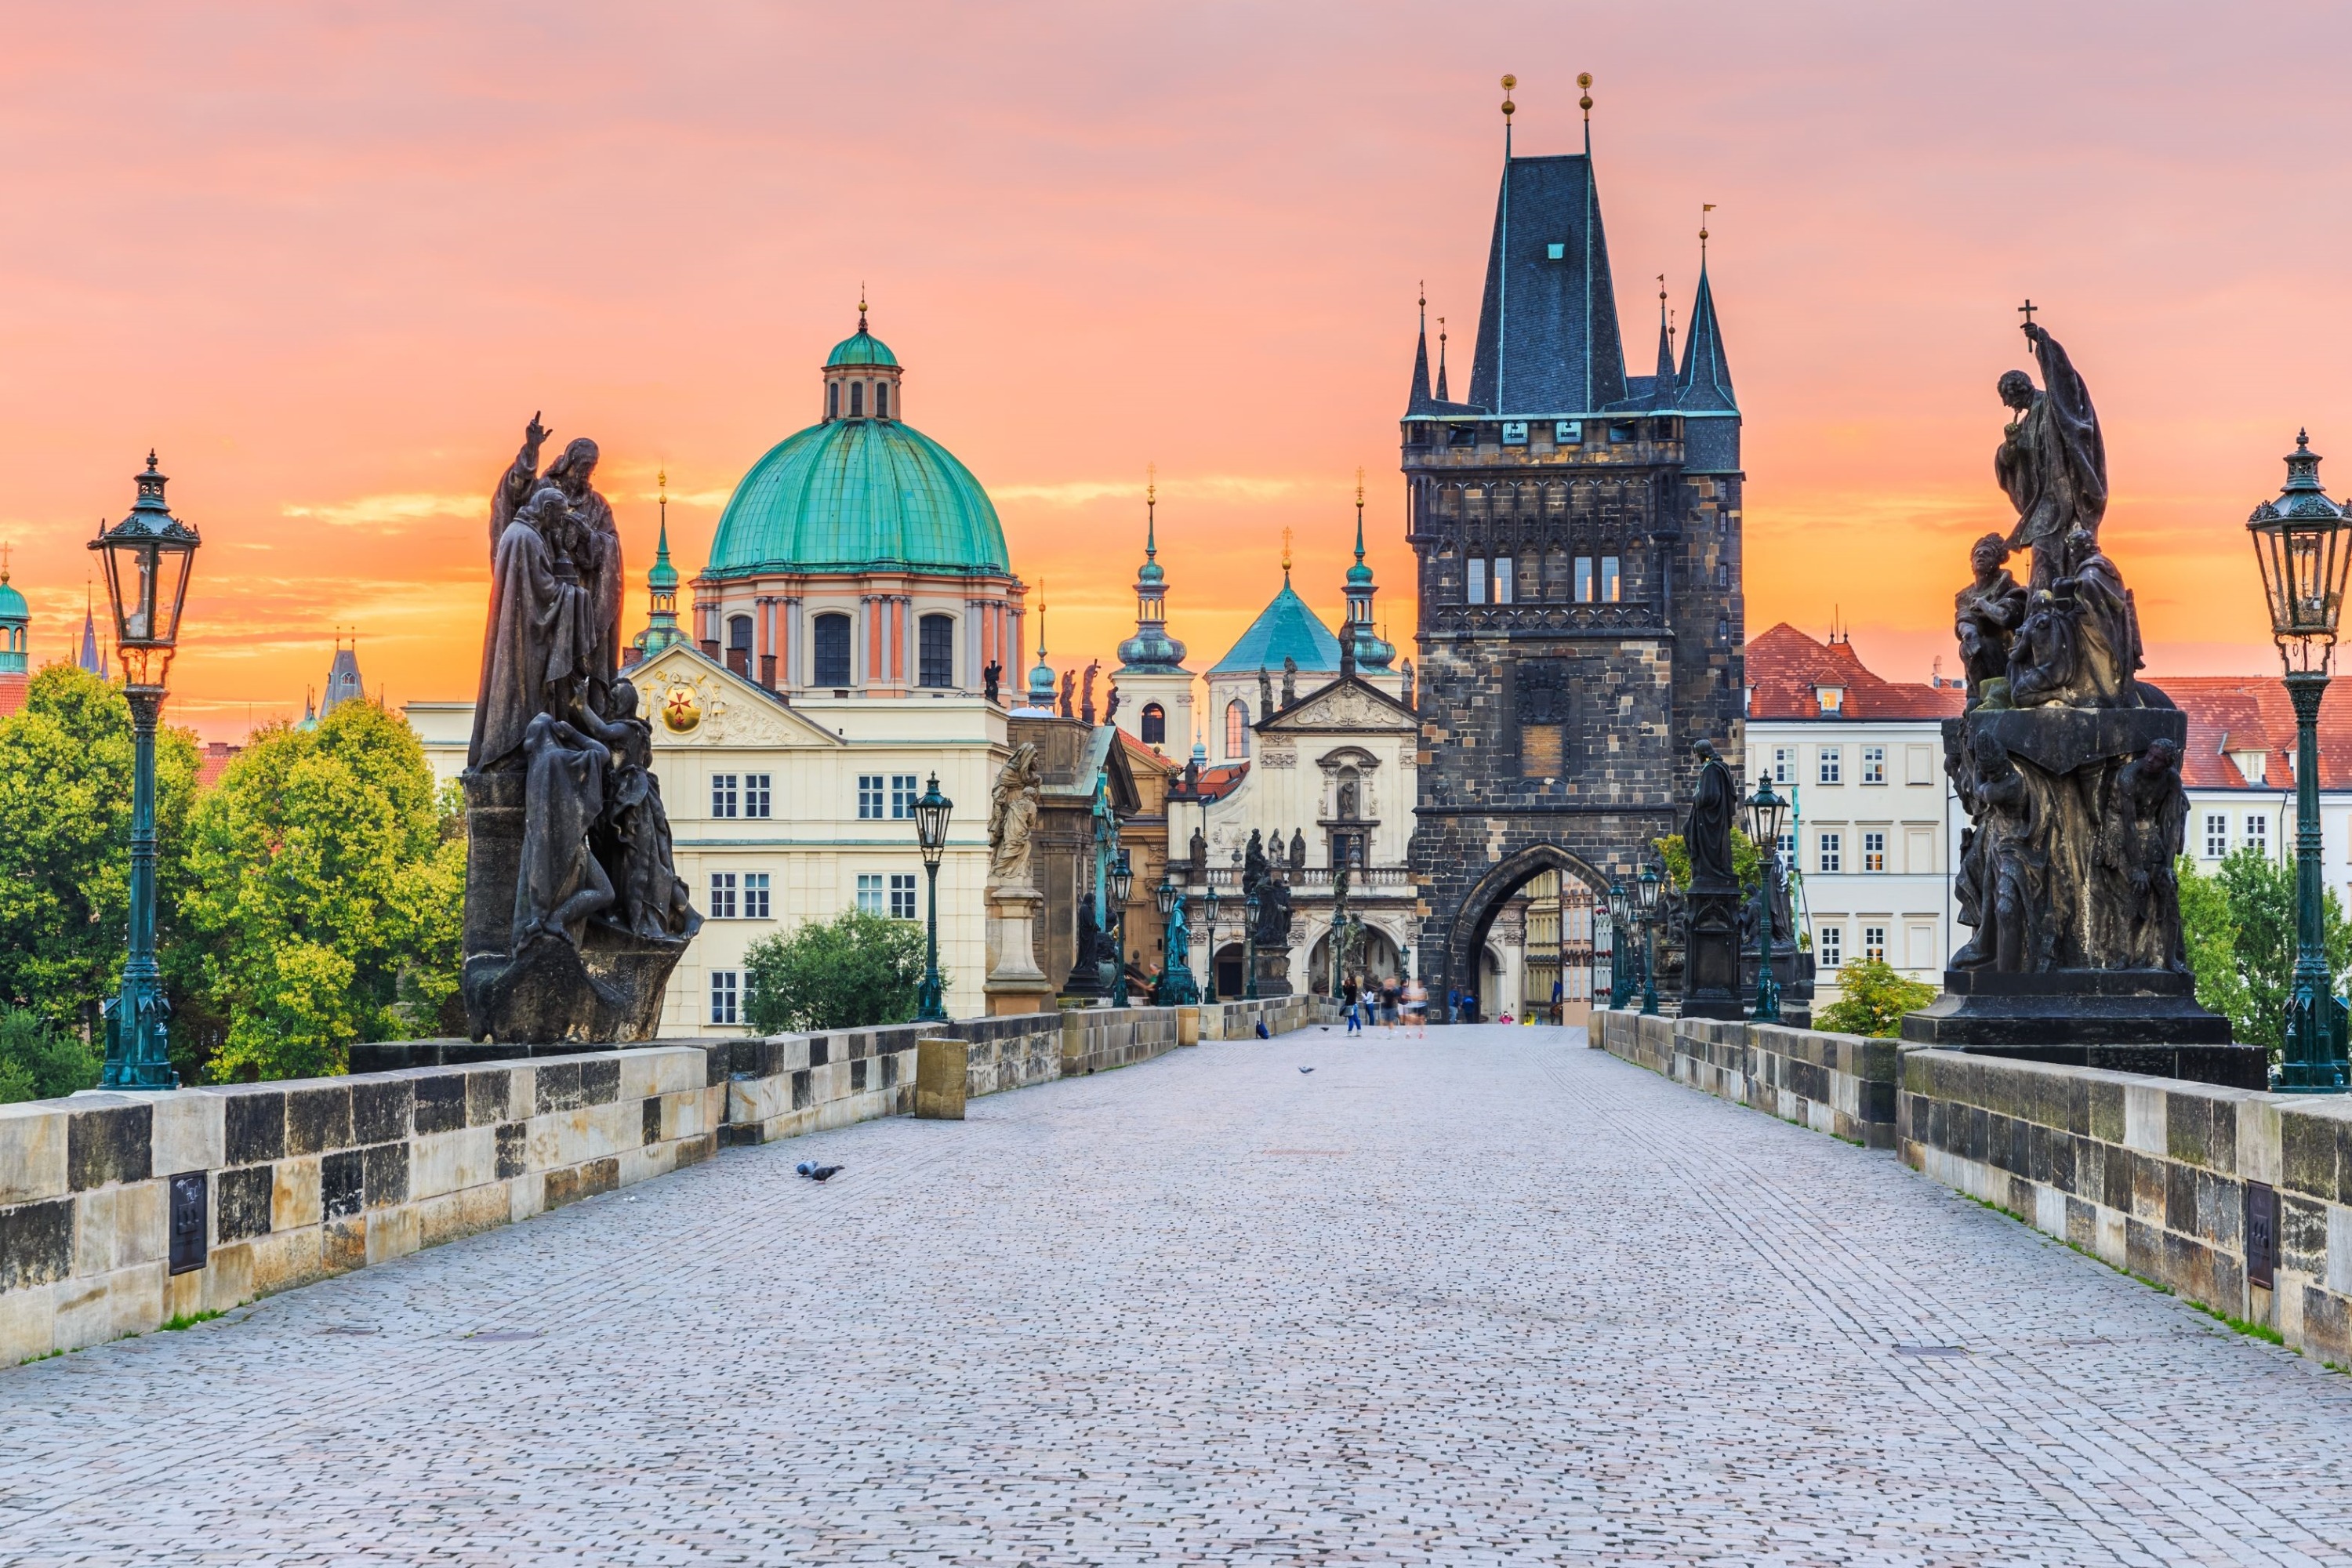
(1576,530)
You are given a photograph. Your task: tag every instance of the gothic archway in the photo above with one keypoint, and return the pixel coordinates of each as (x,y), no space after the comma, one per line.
(1466,939)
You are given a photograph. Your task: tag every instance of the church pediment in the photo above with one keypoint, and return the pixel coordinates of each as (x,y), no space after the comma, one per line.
(1350,704)
(693,702)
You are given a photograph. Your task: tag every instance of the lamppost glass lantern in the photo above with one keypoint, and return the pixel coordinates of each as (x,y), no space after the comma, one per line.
(1164,897)
(1646,900)
(1209,992)
(931,835)
(149,556)
(2301,546)
(1122,882)
(1620,933)
(1766,812)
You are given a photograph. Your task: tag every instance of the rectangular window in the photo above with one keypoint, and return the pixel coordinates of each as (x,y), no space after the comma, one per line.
(869,797)
(1502,579)
(935,650)
(2217,835)
(2258,832)
(756,793)
(903,793)
(1833,763)
(1874,851)
(1784,764)
(722,794)
(1828,943)
(869,893)
(722,895)
(1788,850)
(1609,595)
(1473,582)
(1874,942)
(1584,579)
(902,895)
(1873,764)
(723,986)
(755,895)
(1832,851)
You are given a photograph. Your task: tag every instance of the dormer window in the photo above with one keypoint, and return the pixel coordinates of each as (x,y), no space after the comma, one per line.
(2252,766)
(1832,700)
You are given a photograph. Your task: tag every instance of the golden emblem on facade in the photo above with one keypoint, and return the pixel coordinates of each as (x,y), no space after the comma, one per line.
(681,710)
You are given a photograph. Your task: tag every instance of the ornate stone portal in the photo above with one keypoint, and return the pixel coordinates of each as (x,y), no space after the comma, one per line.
(2068,767)
(574,913)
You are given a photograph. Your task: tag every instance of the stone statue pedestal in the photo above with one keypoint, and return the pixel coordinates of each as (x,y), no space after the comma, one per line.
(607,989)
(1711,955)
(1273,972)
(1014,982)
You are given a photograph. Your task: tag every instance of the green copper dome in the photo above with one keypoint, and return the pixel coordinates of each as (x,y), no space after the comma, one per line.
(850,495)
(12,604)
(861,347)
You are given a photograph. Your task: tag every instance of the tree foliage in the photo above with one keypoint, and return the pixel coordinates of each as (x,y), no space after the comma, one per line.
(41,1062)
(65,843)
(1747,861)
(2238,924)
(324,890)
(855,970)
(1873,996)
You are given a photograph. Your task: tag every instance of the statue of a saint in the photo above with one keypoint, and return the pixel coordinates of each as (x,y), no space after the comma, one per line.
(1986,614)
(1069,693)
(1087,704)
(561,883)
(1199,856)
(2052,461)
(632,837)
(1265,694)
(597,553)
(1012,816)
(993,677)
(1110,706)
(1708,840)
(536,652)
(1289,680)
(1298,850)
(1408,683)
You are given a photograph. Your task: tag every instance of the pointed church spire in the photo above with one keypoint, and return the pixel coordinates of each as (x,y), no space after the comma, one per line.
(1663,389)
(1417,398)
(1704,383)
(1442,396)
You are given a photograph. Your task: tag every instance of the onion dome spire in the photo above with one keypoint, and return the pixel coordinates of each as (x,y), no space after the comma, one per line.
(1151,651)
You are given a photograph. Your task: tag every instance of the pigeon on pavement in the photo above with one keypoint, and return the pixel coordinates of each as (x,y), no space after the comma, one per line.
(825,1172)
(1306,1070)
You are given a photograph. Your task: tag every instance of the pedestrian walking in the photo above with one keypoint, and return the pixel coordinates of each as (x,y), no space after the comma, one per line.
(1416,1008)
(1388,1004)
(1354,1012)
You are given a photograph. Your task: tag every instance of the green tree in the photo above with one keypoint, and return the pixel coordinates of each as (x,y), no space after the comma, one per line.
(1873,996)
(852,972)
(1746,860)
(65,843)
(39,1062)
(2238,925)
(325,892)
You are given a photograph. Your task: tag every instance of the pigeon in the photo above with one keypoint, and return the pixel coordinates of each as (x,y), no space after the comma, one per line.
(1306,1070)
(823,1173)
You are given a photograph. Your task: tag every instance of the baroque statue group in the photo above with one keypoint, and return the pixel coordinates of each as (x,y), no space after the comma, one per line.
(574,910)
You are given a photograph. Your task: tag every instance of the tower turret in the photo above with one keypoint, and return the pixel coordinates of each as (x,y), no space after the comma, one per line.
(1357,634)
(1151,677)
(15,625)
(661,589)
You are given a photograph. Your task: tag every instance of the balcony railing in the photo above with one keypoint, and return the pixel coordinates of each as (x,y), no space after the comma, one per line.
(1317,878)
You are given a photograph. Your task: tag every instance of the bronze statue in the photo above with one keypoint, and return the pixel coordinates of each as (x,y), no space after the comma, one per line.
(1714,802)
(631,835)
(991,678)
(2052,461)
(1069,693)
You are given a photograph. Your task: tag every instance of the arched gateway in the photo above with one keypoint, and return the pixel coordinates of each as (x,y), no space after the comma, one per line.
(1454,948)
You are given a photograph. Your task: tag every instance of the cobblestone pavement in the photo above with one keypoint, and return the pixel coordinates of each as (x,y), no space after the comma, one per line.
(1487,1298)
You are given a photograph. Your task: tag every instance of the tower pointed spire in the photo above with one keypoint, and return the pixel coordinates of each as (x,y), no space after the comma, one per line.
(1442,396)
(1360,516)
(1150,652)
(1416,397)
(1662,390)
(1703,384)
(1360,646)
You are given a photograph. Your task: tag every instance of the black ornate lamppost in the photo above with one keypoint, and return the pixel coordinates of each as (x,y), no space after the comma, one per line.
(931,832)
(1766,812)
(1249,948)
(1176,986)
(149,556)
(1621,952)
(2301,543)
(1209,989)
(1645,903)
(1122,882)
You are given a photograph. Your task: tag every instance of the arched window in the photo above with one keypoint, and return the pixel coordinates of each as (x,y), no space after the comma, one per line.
(739,643)
(881,400)
(857,400)
(1155,724)
(830,646)
(935,641)
(833,400)
(1237,728)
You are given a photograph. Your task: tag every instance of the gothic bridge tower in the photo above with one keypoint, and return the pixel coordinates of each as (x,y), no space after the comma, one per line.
(1578,536)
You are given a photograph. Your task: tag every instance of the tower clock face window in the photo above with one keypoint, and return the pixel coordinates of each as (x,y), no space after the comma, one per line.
(831,648)
(1154,724)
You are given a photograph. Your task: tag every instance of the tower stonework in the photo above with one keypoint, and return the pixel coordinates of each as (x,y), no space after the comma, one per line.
(1578,535)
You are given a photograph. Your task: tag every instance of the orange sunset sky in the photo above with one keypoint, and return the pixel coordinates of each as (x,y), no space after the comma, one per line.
(327,260)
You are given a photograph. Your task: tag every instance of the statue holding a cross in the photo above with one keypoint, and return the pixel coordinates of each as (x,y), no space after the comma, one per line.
(2052,461)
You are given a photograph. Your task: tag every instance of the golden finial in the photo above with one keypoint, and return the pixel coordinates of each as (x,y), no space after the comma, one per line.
(1286,556)
(861,304)
(1584,81)
(1662,288)
(661,480)
(1704,208)
(1359,485)
(4,563)
(1150,482)
(1508,107)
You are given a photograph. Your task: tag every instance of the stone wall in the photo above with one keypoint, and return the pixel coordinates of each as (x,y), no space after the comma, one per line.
(1844,1085)
(2194,1186)
(1239,1020)
(282,1184)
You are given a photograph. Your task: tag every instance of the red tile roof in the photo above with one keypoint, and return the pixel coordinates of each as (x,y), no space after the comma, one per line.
(1787,670)
(214,761)
(12,693)
(1222,780)
(2235,714)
